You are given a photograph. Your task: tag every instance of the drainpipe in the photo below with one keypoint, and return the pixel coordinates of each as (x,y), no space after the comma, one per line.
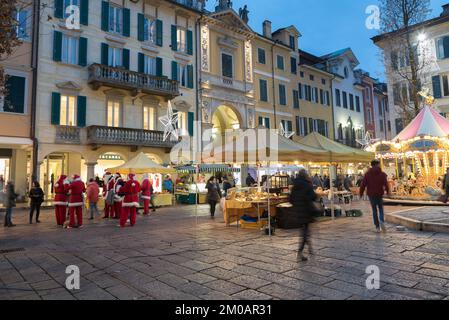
(34,65)
(273,78)
(198,140)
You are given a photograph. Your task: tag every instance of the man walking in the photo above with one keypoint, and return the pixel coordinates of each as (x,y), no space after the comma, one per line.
(93,191)
(376,183)
(76,201)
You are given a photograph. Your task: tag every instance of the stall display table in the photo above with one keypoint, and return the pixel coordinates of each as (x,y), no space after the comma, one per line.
(163,199)
(190,198)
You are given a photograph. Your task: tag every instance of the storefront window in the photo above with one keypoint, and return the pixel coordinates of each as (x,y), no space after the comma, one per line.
(4,172)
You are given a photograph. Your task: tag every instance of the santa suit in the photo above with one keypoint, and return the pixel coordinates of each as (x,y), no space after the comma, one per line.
(131,191)
(61,189)
(146,189)
(118,199)
(76,201)
(108,186)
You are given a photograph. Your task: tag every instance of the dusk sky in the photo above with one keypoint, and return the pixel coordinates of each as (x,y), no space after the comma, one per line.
(325,25)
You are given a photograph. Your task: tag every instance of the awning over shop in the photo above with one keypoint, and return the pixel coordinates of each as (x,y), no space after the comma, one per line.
(15,142)
(336,152)
(208,168)
(141,164)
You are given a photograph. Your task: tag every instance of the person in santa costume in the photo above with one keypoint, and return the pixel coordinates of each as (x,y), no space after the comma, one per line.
(130,191)
(118,199)
(147,194)
(61,190)
(108,191)
(76,201)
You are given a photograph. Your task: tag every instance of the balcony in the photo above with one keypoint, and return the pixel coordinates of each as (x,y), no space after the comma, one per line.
(68,134)
(194,4)
(228,83)
(136,82)
(99,135)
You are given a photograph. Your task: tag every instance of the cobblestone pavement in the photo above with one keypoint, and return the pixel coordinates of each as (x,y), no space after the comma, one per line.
(176,254)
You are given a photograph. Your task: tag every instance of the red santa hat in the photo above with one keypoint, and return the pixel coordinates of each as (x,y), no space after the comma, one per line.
(62,177)
(76,177)
(117,175)
(107,174)
(131,176)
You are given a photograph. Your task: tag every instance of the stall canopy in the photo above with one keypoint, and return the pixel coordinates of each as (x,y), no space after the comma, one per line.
(208,168)
(427,123)
(336,152)
(141,164)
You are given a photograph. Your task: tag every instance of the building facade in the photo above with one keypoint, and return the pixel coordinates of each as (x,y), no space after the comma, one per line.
(103,86)
(364,79)
(16,107)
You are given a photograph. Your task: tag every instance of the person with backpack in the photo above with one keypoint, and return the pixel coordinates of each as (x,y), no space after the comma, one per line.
(36,196)
(147,193)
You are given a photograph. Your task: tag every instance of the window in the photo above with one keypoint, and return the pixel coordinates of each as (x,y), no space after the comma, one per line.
(443,47)
(345,100)
(389,125)
(369,115)
(183,75)
(301,74)
(294,65)
(181,37)
(261,56)
(328,98)
(227,65)
(282,96)
(264,122)
(292,42)
(346,72)
(21,28)
(322,96)
(149,66)
(357,103)
(68,111)
(295,99)
(338,97)
(115,56)
(14,98)
(149,30)
(115,19)
(316,94)
(114,113)
(312,77)
(323,82)
(351,101)
(301,91)
(182,123)
(263,90)
(381,125)
(70,3)
(379,104)
(280,62)
(69,53)
(149,118)
(302,126)
(445,85)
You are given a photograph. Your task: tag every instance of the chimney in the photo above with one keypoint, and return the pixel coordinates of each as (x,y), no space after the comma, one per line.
(267,29)
(445,10)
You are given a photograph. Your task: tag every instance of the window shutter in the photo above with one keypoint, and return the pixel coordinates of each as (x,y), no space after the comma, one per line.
(174,70)
(436,87)
(57,45)
(177,122)
(14,100)
(105,54)
(290,126)
(311,125)
(140,27)
(126,22)
(293,65)
(268,123)
(105,16)
(191,119)
(159,33)
(295,99)
(298,124)
(189,42)
(263,90)
(59,9)
(126,59)
(174,38)
(84,12)
(159,68)
(328,99)
(141,62)
(446,47)
(190,76)
(55,108)
(81,112)
(82,54)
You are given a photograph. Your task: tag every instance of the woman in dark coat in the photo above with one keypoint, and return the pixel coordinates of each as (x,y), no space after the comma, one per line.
(213,195)
(302,198)
(9,202)
(36,198)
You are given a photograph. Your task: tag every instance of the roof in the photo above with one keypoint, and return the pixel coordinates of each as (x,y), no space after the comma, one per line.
(342,52)
(308,58)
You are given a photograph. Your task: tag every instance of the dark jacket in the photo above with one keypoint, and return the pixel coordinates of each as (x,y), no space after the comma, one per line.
(302,197)
(10,196)
(375,182)
(36,195)
(226,186)
(213,192)
(250,181)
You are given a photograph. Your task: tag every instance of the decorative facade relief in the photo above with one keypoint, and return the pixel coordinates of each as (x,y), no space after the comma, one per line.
(250,117)
(248,61)
(206,112)
(205,51)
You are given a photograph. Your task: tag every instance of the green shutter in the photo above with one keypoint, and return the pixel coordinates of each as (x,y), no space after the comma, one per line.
(105,54)
(446,47)
(289,126)
(14,100)
(298,126)
(140,27)
(57,45)
(126,59)
(159,33)
(126,22)
(141,62)
(263,90)
(159,67)
(59,9)
(174,70)
(436,87)
(105,16)
(268,123)
(55,108)
(260,121)
(174,38)
(190,77)
(191,119)
(82,52)
(189,42)
(84,12)
(81,112)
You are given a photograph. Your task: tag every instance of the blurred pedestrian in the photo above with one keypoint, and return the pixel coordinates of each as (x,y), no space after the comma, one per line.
(226,186)
(167,184)
(213,195)
(147,192)
(9,203)
(250,180)
(36,195)
(93,193)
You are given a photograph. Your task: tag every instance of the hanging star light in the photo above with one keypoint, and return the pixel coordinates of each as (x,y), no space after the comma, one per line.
(169,121)
(367,141)
(284,132)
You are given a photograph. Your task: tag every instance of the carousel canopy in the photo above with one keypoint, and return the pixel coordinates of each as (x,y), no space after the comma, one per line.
(427,123)
(141,164)
(336,152)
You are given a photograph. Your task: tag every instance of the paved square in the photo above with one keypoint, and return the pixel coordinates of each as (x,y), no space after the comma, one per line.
(182,254)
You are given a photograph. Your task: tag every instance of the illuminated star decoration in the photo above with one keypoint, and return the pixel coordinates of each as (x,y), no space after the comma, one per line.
(170,121)
(367,141)
(284,132)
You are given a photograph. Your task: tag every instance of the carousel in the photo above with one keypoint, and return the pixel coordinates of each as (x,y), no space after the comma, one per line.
(416,160)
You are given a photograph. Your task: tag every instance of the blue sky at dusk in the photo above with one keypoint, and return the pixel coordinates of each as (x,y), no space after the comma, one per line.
(325,25)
